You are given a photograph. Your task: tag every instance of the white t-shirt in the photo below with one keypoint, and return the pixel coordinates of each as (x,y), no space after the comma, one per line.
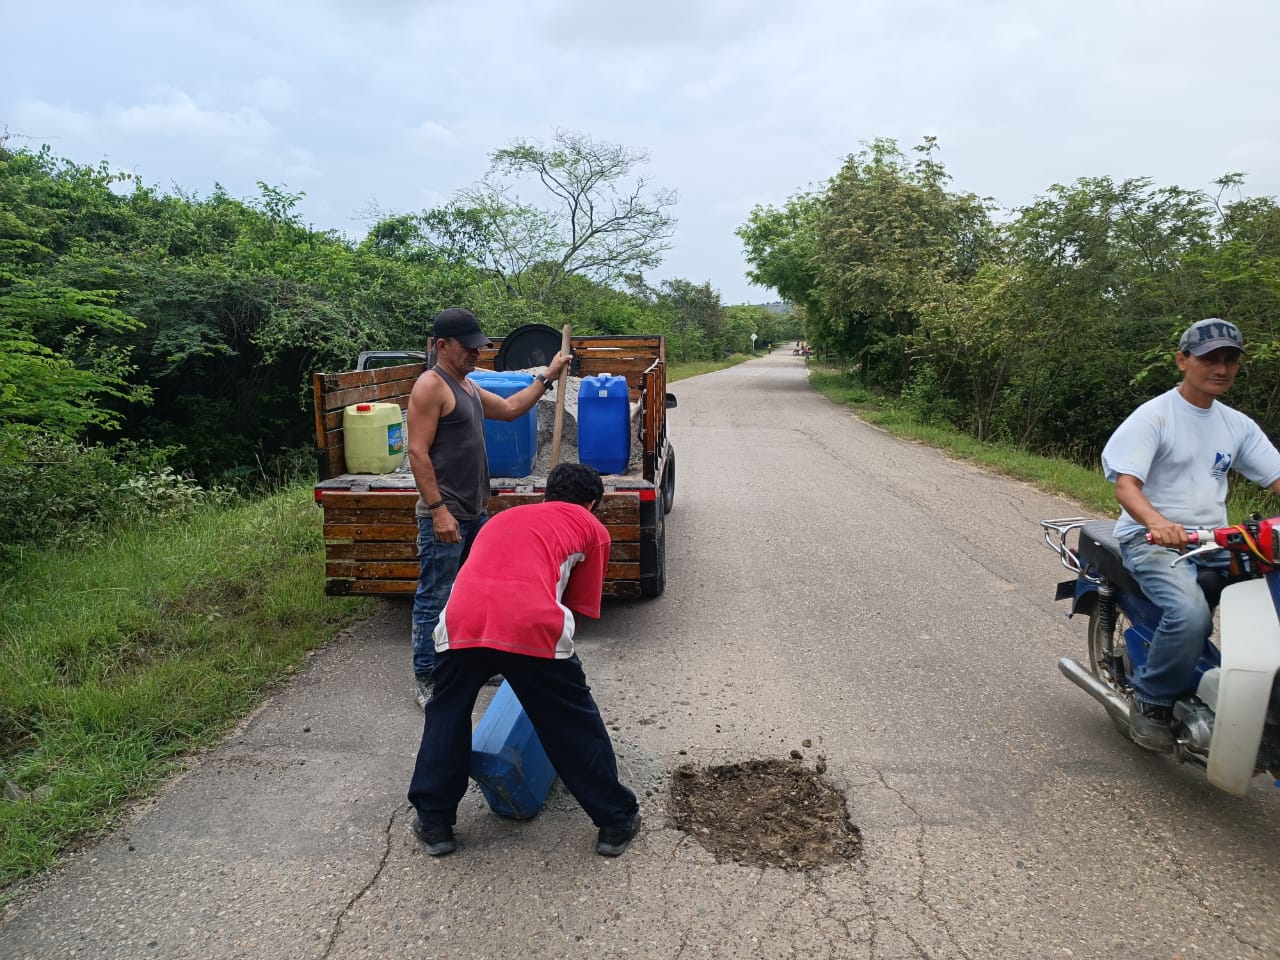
(1182,454)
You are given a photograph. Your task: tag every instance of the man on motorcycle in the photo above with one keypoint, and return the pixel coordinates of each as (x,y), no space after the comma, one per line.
(1169,461)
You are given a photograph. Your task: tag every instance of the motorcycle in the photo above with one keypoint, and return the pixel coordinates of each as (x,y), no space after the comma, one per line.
(1231,725)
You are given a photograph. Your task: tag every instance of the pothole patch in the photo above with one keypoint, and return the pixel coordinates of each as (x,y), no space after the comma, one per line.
(764,813)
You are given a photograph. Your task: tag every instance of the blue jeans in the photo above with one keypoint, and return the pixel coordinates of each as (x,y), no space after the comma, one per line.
(1185,622)
(438,565)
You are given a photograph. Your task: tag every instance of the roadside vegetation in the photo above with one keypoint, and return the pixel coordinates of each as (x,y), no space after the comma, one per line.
(1036,329)
(1057,475)
(120,656)
(682,371)
(159,622)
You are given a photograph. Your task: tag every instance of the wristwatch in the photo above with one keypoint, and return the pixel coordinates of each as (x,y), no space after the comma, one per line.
(541,378)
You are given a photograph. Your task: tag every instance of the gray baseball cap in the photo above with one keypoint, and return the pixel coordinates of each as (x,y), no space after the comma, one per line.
(1206,335)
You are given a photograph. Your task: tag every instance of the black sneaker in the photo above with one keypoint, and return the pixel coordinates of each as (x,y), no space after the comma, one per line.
(438,840)
(612,841)
(1151,726)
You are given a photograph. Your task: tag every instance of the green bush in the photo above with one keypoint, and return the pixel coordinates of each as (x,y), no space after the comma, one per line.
(60,493)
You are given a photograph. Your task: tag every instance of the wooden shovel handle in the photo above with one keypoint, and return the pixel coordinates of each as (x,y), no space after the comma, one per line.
(560,385)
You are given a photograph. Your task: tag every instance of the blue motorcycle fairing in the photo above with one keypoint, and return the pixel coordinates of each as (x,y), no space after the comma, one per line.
(1144,616)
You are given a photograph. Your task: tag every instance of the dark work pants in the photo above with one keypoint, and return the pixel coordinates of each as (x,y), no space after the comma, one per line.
(555,695)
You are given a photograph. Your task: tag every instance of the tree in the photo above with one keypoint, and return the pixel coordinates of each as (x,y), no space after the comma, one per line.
(698,319)
(55,369)
(595,217)
(781,245)
(891,243)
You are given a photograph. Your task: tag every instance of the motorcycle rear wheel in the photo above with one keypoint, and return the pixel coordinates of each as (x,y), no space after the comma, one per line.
(1098,665)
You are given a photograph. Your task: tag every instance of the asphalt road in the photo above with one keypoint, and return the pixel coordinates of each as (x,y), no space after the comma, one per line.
(825,582)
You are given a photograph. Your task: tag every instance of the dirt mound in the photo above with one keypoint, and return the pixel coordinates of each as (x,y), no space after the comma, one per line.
(764,813)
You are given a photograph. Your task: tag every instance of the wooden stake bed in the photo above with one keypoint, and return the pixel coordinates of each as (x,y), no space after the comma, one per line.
(370,529)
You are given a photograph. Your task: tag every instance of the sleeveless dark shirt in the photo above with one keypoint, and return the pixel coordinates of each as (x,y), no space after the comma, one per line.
(458,456)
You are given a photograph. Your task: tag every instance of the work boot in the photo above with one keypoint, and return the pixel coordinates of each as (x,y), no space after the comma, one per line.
(612,841)
(1151,726)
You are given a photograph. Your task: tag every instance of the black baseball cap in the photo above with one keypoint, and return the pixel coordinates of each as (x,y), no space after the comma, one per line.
(461,325)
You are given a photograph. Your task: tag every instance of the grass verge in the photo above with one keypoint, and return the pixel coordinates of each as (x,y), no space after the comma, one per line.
(682,371)
(1086,485)
(119,659)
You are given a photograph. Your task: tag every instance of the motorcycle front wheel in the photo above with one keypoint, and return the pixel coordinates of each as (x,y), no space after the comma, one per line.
(1098,663)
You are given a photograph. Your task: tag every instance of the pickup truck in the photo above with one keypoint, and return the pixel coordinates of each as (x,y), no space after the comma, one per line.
(370,531)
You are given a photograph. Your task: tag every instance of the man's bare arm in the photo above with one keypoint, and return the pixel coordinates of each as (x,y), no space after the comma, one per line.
(426,405)
(1166,534)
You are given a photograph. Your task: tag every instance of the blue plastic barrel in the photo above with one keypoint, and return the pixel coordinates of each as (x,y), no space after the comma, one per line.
(604,423)
(507,759)
(511,446)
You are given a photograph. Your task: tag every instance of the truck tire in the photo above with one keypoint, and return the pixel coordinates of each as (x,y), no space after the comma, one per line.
(669,482)
(656,551)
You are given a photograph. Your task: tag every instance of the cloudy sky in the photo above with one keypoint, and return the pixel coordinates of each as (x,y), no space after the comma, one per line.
(394,105)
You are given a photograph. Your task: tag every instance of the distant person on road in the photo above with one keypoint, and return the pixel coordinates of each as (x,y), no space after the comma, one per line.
(447,455)
(512,610)
(1169,461)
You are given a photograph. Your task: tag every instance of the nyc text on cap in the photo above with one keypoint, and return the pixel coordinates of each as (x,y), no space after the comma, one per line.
(461,325)
(1206,335)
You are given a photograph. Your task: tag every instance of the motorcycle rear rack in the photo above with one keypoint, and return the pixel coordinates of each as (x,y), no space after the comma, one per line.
(1055,536)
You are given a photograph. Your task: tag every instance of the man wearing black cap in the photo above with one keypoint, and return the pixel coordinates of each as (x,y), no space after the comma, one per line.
(447,454)
(1169,461)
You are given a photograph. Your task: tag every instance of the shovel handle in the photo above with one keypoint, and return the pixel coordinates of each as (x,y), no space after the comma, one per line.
(560,385)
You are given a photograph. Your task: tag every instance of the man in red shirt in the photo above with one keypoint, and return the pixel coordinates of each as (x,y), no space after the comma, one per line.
(511,612)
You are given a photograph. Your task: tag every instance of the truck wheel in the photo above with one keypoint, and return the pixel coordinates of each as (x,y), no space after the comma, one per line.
(653,586)
(669,482)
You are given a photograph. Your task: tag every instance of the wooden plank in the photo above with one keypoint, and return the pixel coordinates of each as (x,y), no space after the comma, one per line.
(614,589)
(317,402)
(378,393)
(335,460)
(371,571)
(369,516)
(404,499)
(381,551)
(343,588)
(623,552)
(617,509)
(366,378)
(622,571)
(507,500)
(385,532)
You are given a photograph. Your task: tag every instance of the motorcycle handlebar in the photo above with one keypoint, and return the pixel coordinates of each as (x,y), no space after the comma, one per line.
(1194,537)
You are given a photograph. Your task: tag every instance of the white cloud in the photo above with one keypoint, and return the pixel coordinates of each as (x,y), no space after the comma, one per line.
(178,115)
(42,122)
(273,93)
(428,136)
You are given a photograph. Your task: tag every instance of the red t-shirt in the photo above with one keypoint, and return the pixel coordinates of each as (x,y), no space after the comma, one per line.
(530,569)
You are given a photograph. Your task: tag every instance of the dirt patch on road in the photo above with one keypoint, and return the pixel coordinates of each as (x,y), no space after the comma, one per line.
(764,813)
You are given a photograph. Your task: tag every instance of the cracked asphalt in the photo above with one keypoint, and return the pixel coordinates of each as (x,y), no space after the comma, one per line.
(825,582)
